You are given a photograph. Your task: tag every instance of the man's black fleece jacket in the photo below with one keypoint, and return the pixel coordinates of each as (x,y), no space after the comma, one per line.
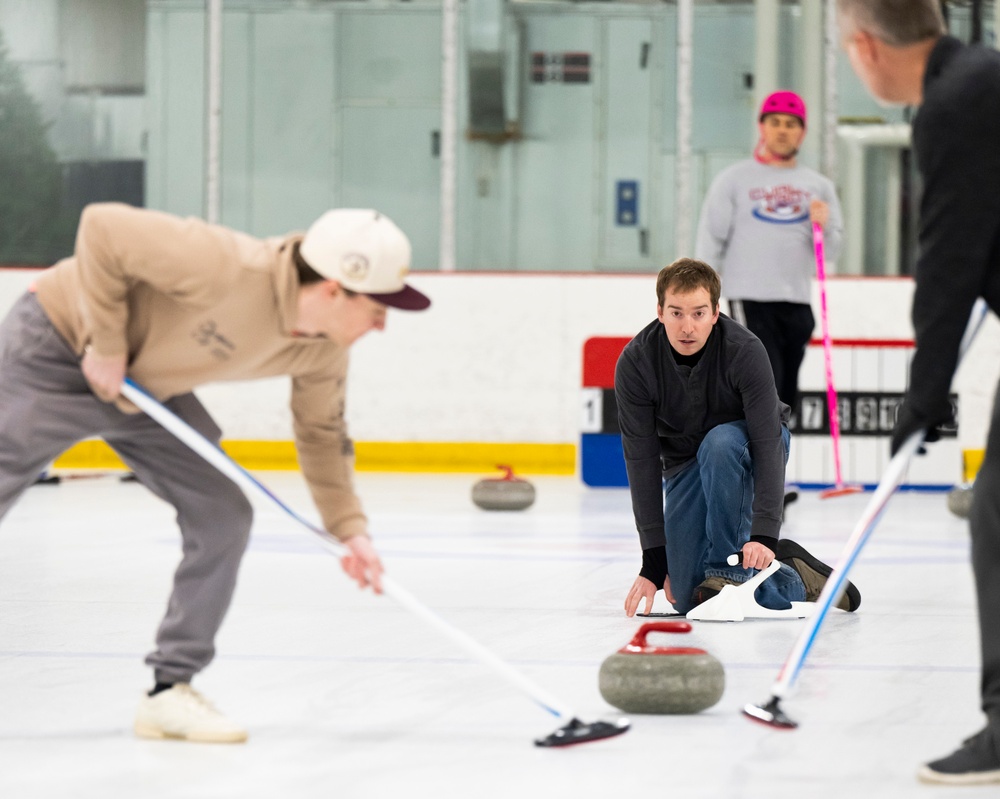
(665,411)
(956,140)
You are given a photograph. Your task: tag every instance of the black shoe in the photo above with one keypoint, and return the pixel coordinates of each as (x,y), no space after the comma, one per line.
(814,574)
(976,763)
(709,587)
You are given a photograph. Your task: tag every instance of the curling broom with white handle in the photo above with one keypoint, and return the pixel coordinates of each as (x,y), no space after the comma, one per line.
(770,712)
(573,732)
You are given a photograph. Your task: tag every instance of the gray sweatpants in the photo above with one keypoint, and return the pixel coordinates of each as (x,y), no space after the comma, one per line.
(984,524)
(46,406)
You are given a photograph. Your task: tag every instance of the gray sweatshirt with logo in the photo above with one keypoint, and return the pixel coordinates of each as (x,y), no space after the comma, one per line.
(755,231)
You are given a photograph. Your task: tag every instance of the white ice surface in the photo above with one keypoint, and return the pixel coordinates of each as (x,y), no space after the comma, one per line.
(346,695)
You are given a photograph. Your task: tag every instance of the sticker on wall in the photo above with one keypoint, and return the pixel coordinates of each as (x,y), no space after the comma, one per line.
(859,413)
(602,463)
(560,67)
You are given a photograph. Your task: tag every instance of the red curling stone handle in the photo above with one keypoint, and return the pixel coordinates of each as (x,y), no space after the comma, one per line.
(638,643)
(639,639)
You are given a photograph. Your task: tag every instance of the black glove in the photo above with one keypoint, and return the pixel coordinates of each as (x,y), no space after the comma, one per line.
(654,565)
(909,422)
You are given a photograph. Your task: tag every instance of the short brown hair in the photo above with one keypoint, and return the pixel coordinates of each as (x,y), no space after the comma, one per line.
(686,275)
(306,274)
(895,22)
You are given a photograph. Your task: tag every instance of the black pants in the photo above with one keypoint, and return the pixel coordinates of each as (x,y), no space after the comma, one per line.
(784,329)
(984,524)
(46,406)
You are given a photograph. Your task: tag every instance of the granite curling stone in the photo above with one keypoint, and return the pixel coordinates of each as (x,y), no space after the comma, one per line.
(640,678)
(960,500)
(503,493)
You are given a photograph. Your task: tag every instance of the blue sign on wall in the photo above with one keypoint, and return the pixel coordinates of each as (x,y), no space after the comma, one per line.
(627,203)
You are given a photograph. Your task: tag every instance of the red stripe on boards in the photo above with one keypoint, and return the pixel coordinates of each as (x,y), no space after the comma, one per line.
(600,354)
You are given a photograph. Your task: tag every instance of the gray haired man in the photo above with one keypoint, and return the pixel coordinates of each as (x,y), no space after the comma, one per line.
(900,51)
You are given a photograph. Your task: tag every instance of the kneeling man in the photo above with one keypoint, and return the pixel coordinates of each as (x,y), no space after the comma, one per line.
(701,421)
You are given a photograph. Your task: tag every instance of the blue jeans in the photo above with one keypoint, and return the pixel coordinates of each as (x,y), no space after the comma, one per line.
(707,515)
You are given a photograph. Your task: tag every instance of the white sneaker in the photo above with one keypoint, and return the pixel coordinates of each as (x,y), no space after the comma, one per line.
(184,714)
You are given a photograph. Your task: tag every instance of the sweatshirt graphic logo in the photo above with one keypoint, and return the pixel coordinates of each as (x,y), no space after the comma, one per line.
(780,205)
(207,335)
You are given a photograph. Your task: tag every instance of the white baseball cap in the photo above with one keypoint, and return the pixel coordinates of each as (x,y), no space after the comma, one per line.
(364,252)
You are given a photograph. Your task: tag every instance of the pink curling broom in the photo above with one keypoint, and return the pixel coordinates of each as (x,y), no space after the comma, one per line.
(839,489)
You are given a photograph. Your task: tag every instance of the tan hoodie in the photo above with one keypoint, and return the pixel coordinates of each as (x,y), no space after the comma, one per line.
(192,303)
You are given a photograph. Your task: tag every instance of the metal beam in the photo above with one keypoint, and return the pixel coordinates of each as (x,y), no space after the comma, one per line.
(684,226)
(449,141)
(766,44)
(213,109)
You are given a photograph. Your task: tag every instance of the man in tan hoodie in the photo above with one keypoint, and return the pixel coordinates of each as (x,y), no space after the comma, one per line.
(175,303)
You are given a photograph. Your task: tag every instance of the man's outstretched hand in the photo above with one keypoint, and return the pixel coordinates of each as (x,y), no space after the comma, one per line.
(362,563)
(645,589)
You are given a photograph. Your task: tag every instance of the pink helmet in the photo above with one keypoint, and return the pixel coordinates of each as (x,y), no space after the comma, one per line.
(783,102)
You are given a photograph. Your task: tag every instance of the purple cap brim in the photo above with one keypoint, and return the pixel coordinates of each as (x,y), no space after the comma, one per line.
(409,299)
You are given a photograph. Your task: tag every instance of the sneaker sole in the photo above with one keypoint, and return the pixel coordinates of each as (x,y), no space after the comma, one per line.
(932,777)
(157,734)
(789,550)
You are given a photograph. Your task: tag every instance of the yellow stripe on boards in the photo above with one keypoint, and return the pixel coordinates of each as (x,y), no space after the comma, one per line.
(89,455)
(370,456)
(96,454)
(972,459)
(391,456)
(378,456)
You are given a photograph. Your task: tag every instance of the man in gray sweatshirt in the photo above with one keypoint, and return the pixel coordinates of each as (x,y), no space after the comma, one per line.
(701,422)
(756,228)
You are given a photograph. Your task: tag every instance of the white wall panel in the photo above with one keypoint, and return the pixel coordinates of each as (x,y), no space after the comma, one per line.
(499,358)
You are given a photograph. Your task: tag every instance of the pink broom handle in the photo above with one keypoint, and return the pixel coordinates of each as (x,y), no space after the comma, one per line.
(831,392)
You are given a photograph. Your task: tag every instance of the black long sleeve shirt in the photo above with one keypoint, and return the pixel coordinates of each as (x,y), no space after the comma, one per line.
(956,140)
(665,410)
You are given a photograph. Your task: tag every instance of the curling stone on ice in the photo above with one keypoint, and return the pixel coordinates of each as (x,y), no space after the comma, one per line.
(960,500)
(640,678)
(503,493)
